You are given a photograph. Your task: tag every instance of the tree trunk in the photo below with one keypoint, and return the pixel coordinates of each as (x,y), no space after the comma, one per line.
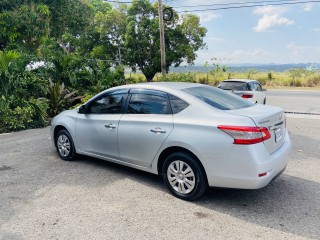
(149,76)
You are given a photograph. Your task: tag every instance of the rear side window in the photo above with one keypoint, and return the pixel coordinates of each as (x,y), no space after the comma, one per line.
(148,104)
(236,86)
(218,98)
(177,104)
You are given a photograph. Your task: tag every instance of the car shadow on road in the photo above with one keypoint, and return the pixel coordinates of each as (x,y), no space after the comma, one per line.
(120,172)
(289,204)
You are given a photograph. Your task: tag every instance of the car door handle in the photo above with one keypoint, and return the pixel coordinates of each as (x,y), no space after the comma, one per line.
(110,126)
(158,130)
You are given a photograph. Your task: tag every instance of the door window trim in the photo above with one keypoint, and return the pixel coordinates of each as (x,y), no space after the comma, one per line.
(146,92)
(100,96)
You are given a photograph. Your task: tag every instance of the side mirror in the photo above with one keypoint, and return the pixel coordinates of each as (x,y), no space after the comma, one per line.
(264,90)
(81,109)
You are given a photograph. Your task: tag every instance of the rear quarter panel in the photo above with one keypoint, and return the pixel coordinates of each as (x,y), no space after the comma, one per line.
(196,130)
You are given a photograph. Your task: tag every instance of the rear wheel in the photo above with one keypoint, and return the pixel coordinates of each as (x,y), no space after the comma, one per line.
(65,145)
(184,176)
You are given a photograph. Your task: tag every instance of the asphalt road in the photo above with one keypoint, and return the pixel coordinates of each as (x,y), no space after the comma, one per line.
(295,101)
(43,197)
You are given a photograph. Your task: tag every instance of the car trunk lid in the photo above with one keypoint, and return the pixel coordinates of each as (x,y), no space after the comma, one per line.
(272,118)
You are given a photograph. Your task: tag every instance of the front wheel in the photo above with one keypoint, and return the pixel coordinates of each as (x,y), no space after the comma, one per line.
(65,145)
(265,101)
(184,176)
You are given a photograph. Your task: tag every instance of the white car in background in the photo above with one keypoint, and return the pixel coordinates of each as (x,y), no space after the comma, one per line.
(245,88)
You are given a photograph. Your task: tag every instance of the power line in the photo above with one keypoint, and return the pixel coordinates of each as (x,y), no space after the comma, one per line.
(249,6)
(234,3)
(115,1)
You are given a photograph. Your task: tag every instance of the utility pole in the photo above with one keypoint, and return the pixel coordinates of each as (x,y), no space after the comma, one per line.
(162,42)
(120,60)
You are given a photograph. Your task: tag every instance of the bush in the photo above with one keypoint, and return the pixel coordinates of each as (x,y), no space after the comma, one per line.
(28,115)
(86,98)
(262,80)
(313,81)
(179,77)
(295,83)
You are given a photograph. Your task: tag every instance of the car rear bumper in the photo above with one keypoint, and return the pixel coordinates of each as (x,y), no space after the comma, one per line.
(241,167)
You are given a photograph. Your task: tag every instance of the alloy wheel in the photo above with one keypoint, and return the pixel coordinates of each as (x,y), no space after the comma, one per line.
(181,177)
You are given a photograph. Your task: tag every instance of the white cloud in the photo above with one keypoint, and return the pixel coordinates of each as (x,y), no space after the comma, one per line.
(255,55)
(271,17)
(268,21)
(308,7)
(207,16)
(301,49)
(303,53)
(293,54)
(316,29)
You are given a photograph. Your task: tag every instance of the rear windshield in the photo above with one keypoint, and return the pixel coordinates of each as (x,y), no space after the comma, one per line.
(218,98)
(236,86)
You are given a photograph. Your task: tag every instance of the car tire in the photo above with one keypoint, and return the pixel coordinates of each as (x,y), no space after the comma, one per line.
(265,101)
(184,176)
(65,146)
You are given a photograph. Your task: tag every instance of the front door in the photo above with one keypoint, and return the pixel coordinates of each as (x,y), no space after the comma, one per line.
(97,129)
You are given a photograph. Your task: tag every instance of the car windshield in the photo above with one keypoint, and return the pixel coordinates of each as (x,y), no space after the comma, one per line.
(236,86)
(218,98)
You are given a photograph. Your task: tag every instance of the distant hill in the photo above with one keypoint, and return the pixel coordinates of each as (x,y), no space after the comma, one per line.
(245,67)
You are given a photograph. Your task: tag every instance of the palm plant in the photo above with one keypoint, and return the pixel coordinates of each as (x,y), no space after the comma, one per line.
(58,97)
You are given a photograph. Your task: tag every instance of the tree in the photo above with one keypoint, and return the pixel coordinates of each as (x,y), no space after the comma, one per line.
(183,37)
(111,26)
(23,26)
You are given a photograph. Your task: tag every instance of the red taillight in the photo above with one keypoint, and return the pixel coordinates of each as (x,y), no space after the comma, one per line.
(263,174)
(247,96)
(246,135)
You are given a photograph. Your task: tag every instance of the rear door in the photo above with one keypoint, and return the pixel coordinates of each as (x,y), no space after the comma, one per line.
(258,91)
(144,127)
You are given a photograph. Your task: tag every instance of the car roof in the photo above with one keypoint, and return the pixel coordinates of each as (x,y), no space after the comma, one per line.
(163,85)
(240,80)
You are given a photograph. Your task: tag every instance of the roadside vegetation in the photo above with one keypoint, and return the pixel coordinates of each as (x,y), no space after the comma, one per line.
(290,78)
(55,55)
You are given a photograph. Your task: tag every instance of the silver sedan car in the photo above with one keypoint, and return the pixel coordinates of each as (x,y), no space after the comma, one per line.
(193,135)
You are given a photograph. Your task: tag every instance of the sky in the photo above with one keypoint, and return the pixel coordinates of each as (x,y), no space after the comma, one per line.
(287,34)
(261,35)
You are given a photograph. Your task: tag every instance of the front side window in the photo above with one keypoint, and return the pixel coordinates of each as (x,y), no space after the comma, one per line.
(107,104)
(218,98)
(258,87)
(148,104)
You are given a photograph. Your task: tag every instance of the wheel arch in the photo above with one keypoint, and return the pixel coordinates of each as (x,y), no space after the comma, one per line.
(173,149)
(57,129)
